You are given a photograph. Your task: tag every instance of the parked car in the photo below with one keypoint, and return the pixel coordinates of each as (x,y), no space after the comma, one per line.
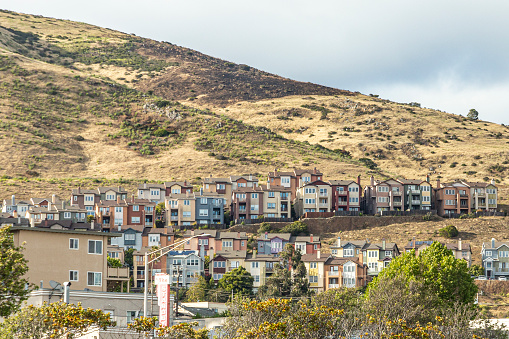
(481,277)
(502,278)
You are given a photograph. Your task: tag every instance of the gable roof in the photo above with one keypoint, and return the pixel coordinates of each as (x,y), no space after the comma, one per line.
(342,260)
(313,257)
(342,182)
(283,236)
(305,238)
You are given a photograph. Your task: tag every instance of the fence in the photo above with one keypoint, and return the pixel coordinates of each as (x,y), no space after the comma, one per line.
(348,213)
(476,214)
(318,214)
(406,213)
(202,226)
(260,220)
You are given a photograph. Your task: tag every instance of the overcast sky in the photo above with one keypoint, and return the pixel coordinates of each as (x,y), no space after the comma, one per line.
(449,55)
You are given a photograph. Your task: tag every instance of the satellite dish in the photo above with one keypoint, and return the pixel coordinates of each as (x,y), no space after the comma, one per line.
(54,284)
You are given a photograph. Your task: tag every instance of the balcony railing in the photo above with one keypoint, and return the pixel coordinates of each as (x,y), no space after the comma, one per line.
(174,217)
(396,193)
(324,194)
(118,272)
(333,285)
(416,202)
(333,273)
(342,193)
(342,203)
(415,191)
(397,203)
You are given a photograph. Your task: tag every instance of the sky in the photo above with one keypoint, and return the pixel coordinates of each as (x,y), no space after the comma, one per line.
(447,55)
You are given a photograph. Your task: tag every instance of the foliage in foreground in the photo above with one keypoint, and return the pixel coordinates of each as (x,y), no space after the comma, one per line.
(13,266)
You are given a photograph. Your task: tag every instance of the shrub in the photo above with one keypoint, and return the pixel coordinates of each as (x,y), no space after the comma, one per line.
(264,227)
(449,231)
(161,132)
(295,228)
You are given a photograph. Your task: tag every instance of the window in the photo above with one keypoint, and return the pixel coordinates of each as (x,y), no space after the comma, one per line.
(283,195)
(449,192)
(114,255)
(242,243)
(186,214)
(309,190)
(503,254)
(488,253)
(218,276)
(354,200)
(382,189)
(135,220)
(492,201)
(94,278)
(154,192)
(89,198)
(67,215)
(271,205)
(348,252)
(315,246)
(313,278)
(254,264)
(488,264)
(95,247)
(271,215)
(312,265)
(285,180)
(110,197)
(241,196)
(219,264)
(426,198)
(373,265)
(129,236)
(74,244)
(256,278)
(491,191)
(73,275)
(450,202)
(306,179)
(192,262)
(118,209)
(227,243)
(272,194)
(254,196)
(372,254)
(426,188)
(49,216)
(149,208)
(203,201)
(204,213)
(254,207)
(334,269)
(136,208)
(323,191)
(334,251)
(348,268)
(383,199)
(75,198)
(310,201)
(220,186)
(187,203)
(464,253)
(203,241)
(388,253)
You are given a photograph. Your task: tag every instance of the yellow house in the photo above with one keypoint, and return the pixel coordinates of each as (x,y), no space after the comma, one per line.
(315,267)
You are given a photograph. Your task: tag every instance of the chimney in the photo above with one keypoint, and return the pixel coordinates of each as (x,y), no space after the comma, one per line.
(187,194)
(32,222)
(383,244)
(192,232)
(427,178)
(145,185)
(413,242)
(211,253)
(238,235)
(338,242)
(15,213)
(254,252)
(63,204)
(314,170)
(119,189)
(132,198)
(250,177)
(492,242)
(438,183)
(19,220)
(79,189)
(493,181)
(92,225)
(372,181)
(266,235)
(310,238)
(202,251)
(13,200)
(201,190)
(49,206)
(54,198)
(275,172)
(268,185)
(118,198)
(317,254)
(460,247)
(359,180)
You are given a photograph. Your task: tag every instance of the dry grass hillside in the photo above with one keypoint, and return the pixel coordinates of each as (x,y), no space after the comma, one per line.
(80,101)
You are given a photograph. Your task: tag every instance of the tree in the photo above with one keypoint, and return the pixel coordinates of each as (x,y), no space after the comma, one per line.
(55,320)
(13,266)
(441,274)
(200,290)
(160,208)
(128,257)
(476,270)
(90,218)
(239,280)
(473,114)
(264,227)
(289,276)
(295,228)
(114,262)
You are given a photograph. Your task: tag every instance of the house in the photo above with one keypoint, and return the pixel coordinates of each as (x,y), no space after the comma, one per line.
(225,262)
(260,266)
(315,267)
(294,179)
(377,256)
(112,193)
(452,198)
(346,195)
(157,237)
(247,203)
(306,244)
(483,196)
(276,201)
(184,268)
(16,208)
(181,209)
(243,181)
(130,237)
(495,259)
(460,250)
(111,214)
(315,196)
(85,199)
(209,208)
(416,194)
(178,187)
(153,192)
(382,196)
(345,272)
(348,249)
(213,241)
(61,250)
(221,186)
(272,243)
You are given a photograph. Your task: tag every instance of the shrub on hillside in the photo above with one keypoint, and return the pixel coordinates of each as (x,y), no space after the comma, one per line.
(295,228)
(449,231)
(264,227)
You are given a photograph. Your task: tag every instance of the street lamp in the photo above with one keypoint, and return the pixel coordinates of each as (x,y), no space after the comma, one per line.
(163,251)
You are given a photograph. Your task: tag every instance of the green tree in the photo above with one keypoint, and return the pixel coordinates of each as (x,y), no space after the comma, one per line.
(13,266)
(448,231)
(441,274)
(160,208)
(128,257)
(114,262)
(264,227)
(473,114)
(90,218)
(476,270)
(238,280)
(295,228)
(201,290)
(55,320)
(289,276)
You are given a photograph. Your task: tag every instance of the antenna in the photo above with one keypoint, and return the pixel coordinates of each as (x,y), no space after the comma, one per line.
(54,284)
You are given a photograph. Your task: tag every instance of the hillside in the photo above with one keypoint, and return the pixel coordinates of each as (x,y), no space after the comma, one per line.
(80,101)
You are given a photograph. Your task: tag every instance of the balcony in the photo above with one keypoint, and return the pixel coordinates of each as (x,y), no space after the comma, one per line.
(397,193)
(333,285)
(416,202)
(333,273)
(397,203)
(415,191)
(118,273)
(342,193)
(324,194)
(323,204)
(148,223)
(174,217)
(342,203)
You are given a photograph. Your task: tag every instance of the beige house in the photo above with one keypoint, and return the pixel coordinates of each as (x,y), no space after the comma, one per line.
(313,197)
(483,196)
(315,267)
(181,209)
(65,251)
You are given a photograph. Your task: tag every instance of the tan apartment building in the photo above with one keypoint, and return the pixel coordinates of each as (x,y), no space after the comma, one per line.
(315,267)
(294,179)
(261,267)
(65,251)
(220,186)
(483,196)
(277,201)
(153,192)
(313,197)
(181,209)
(382,196)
